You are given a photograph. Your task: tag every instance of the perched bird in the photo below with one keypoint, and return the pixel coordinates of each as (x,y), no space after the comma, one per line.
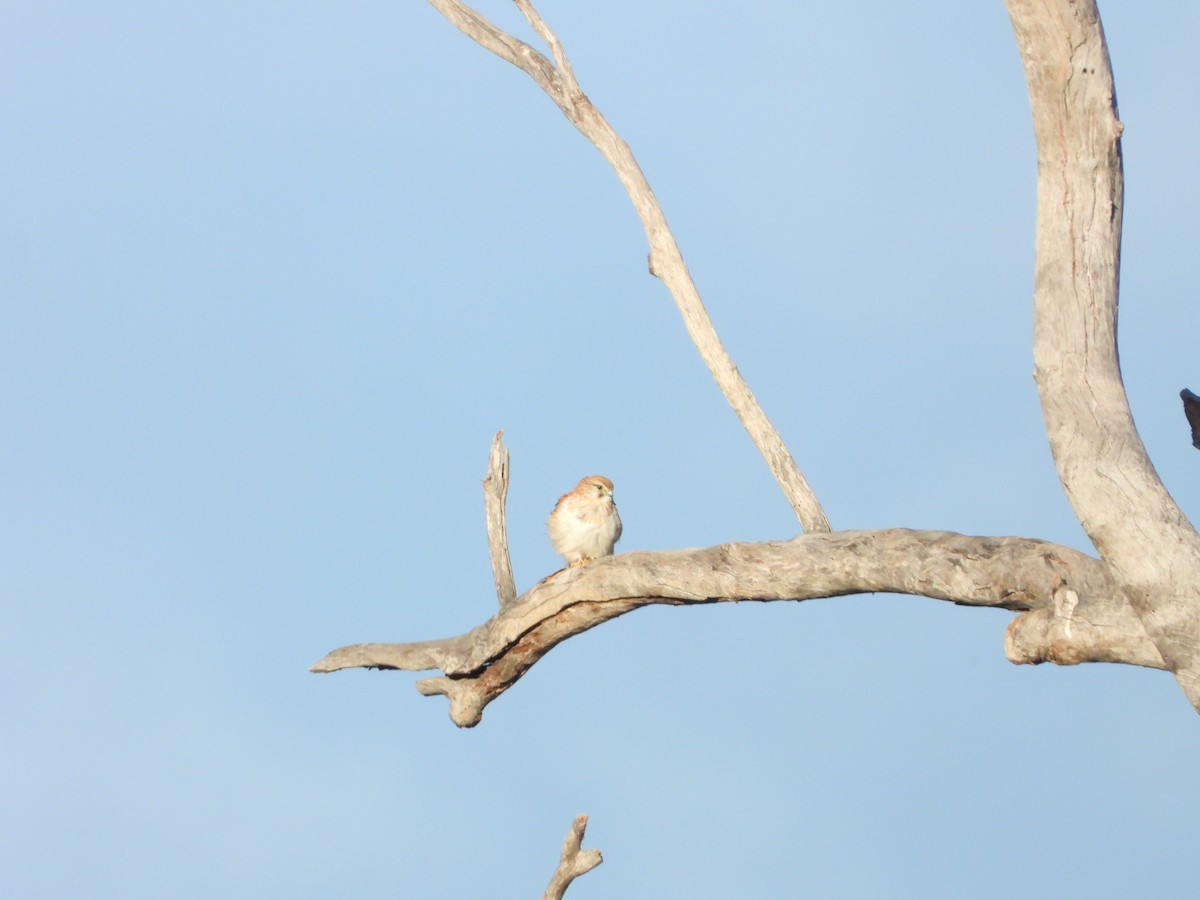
(1191,409)
(584,524)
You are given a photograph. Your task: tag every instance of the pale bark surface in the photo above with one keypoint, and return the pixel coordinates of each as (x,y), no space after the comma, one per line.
(573,862)
(1137,603)
(495,495)
(1151,549)
(1075,613)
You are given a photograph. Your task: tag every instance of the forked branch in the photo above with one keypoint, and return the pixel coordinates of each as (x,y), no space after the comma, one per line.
(1137,528)
(666,261)
(573,862)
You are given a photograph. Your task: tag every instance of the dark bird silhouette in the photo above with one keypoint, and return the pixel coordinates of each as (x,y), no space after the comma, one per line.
(1191,409)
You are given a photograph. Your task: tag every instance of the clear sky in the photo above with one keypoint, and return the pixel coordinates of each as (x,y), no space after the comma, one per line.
(271,276)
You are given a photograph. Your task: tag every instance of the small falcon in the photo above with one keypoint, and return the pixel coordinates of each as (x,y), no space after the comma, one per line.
(584,524)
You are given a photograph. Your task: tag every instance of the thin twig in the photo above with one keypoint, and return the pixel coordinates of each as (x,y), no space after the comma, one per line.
(495,492)
(573,862)
(570,85)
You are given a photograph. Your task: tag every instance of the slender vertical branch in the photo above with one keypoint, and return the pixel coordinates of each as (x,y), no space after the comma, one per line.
(495,494)
(665,260)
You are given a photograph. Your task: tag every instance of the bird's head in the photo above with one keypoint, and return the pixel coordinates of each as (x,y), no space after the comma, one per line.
(597,485)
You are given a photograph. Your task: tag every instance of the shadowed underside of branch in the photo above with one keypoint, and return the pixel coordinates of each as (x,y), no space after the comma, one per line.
(1073,612)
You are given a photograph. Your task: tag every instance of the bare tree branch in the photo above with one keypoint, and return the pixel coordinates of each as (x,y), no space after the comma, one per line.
(665,260)
(1135,525)
(573,862)
(495,494)
(1080,613)
(570,86)
(1137,604)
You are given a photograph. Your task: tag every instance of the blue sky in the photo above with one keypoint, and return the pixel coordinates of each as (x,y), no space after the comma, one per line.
(273,274)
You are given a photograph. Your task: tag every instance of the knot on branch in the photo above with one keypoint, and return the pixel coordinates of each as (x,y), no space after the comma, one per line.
(466,698)
(1062,635)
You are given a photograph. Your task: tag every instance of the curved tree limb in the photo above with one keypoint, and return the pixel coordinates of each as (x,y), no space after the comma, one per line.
(1135,525)
(573,862)
(665,261)
(1074,612)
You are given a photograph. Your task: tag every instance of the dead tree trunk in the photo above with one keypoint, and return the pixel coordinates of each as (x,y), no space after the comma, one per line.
(1147,544)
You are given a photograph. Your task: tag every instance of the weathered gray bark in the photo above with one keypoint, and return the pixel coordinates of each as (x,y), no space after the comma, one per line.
(1075,613)
(1148,545)
(495,495)
(1138,603)
(573,862)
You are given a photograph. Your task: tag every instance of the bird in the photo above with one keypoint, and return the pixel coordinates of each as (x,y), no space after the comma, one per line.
(1191,409)
(584,524)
